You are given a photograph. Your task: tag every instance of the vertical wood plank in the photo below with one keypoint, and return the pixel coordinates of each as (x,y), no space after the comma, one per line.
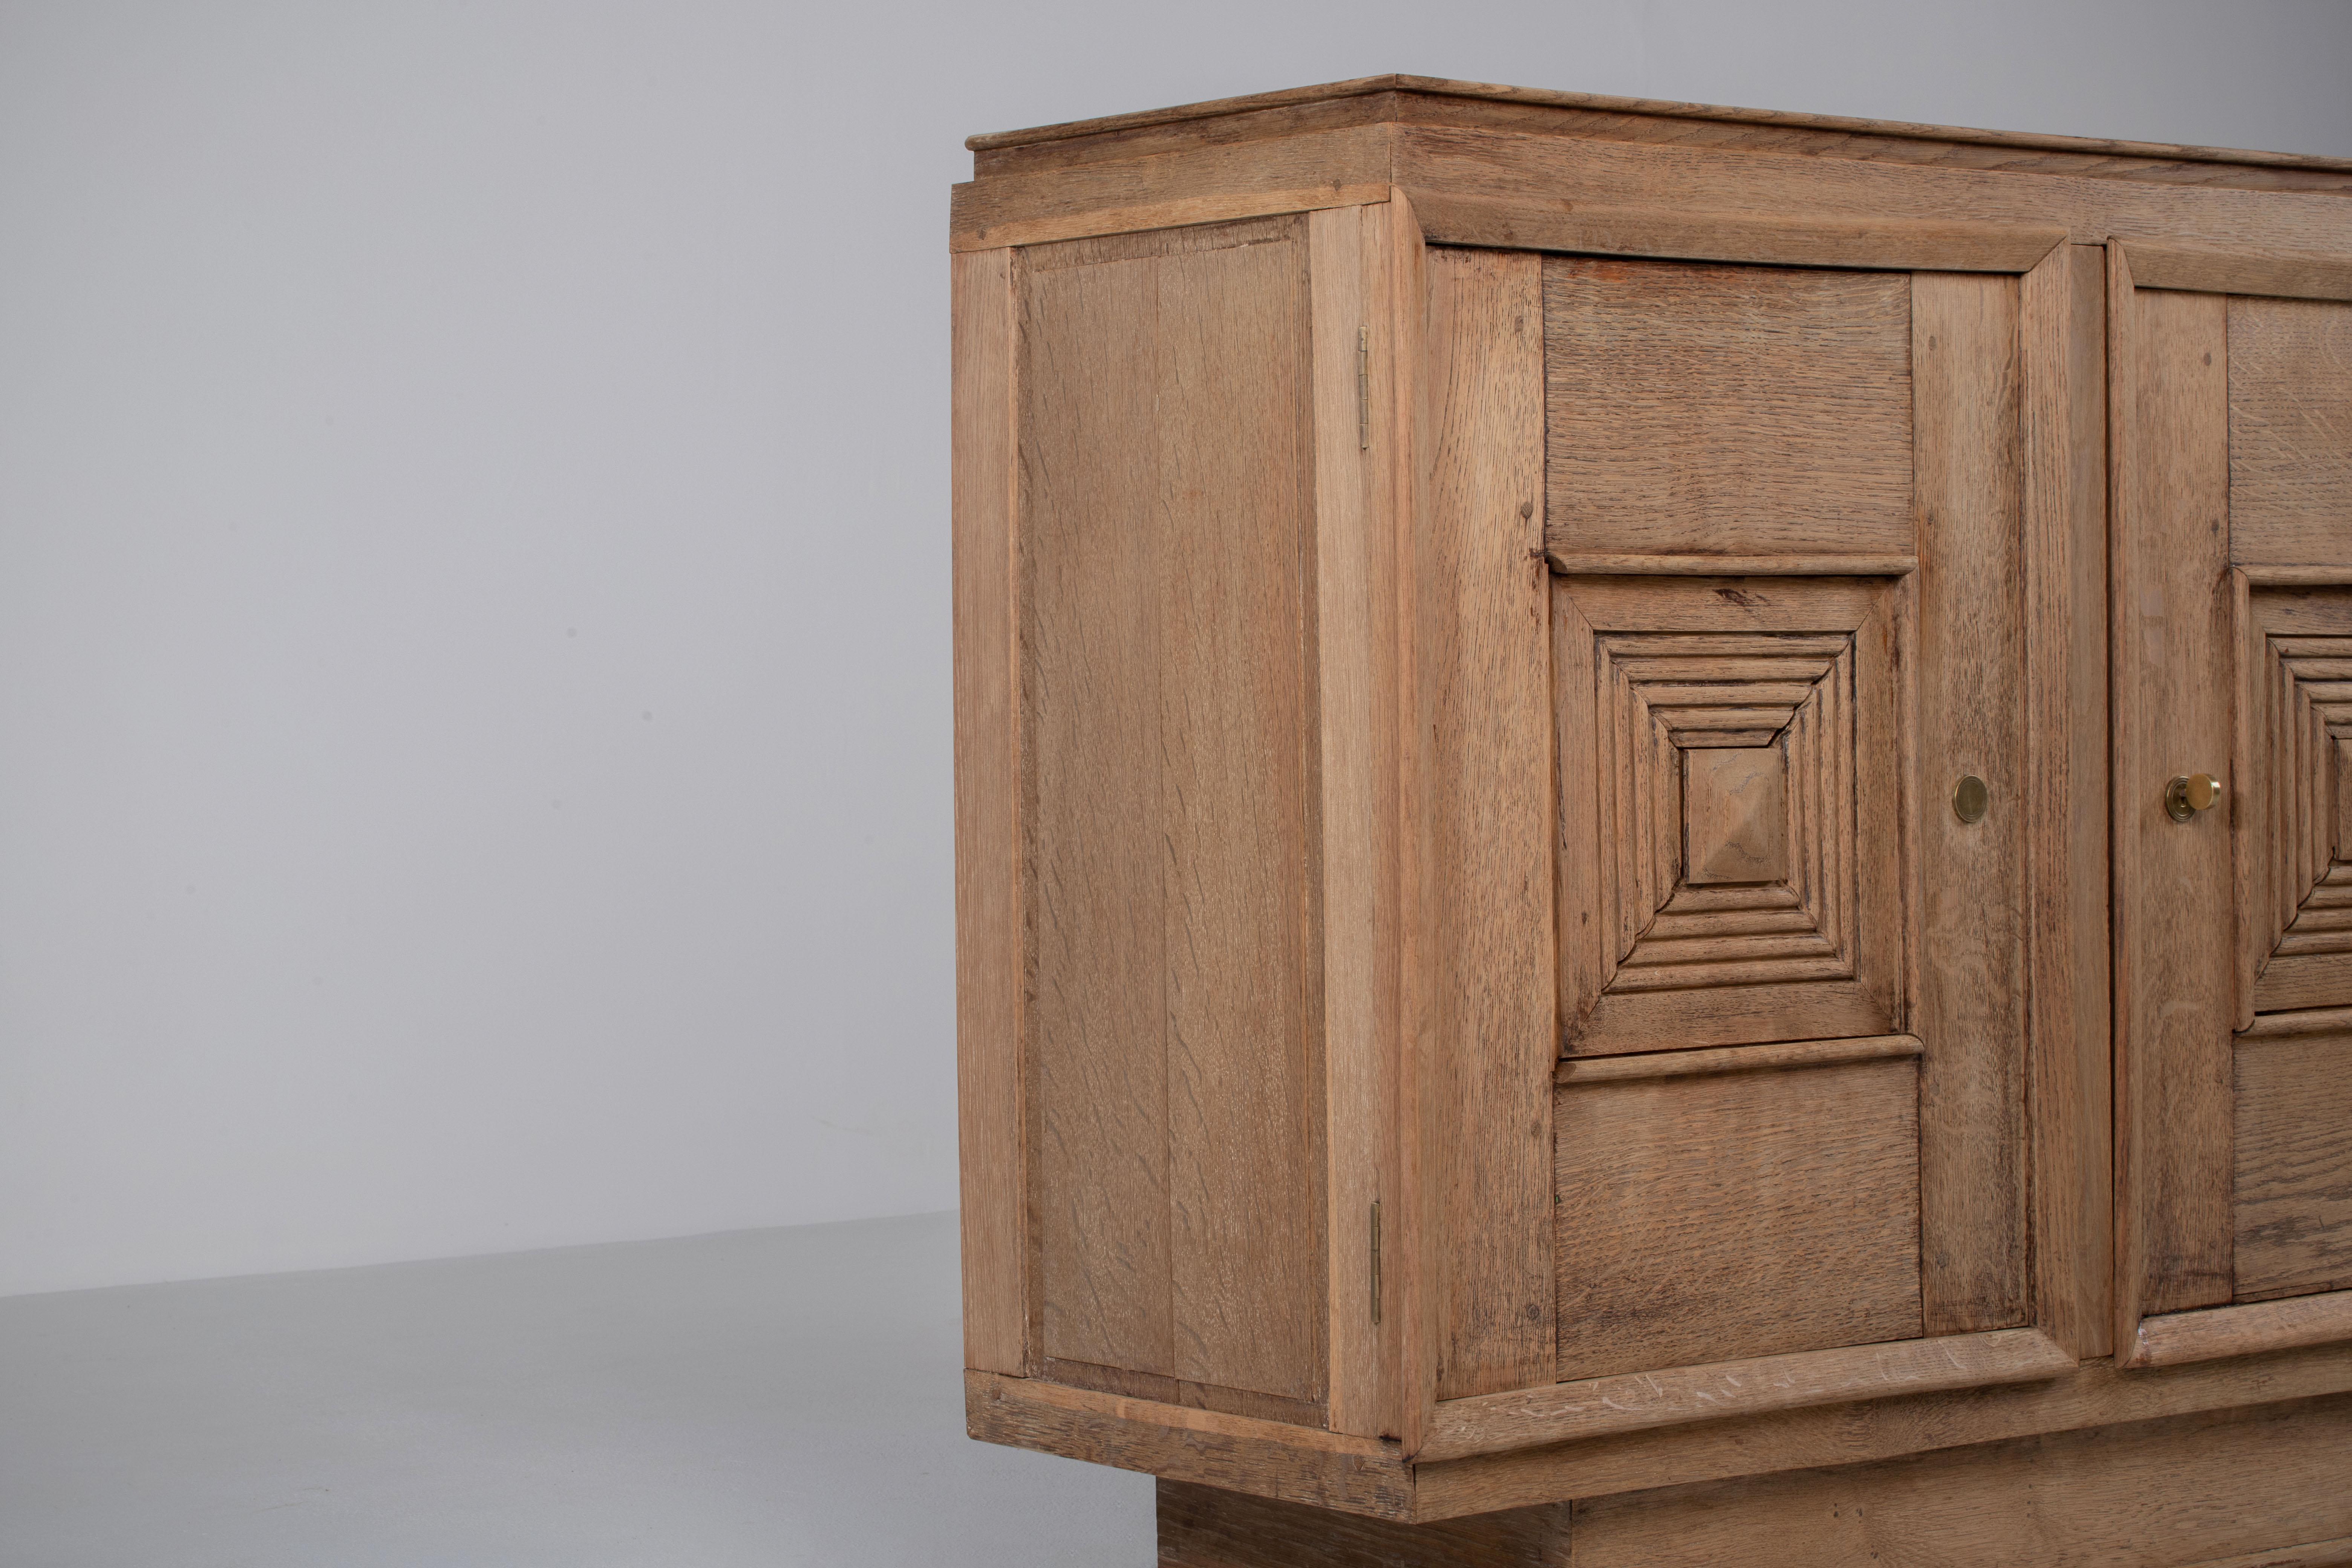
(1411,1235)
(1971,998)
(1238,804)
(2069,1085)
(1349,251)
(1485,713)
(1172,810)
(991,1146)
(1093,812)
(2171,636)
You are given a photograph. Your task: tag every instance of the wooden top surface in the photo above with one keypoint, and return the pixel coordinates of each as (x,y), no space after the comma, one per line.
(1466,95)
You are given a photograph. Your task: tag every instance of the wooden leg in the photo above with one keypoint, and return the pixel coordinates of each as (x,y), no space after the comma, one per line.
(1207,1527)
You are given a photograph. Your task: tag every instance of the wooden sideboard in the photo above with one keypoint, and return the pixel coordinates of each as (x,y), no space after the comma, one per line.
(1654,817)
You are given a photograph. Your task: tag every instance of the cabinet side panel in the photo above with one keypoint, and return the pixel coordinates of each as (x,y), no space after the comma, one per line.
(1484,668)
(1971,966)
(987,790)
(1240,819)
(1090,674)
(1174,991)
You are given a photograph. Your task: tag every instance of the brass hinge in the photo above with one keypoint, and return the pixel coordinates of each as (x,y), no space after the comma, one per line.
(1376,1264)
(1364,396)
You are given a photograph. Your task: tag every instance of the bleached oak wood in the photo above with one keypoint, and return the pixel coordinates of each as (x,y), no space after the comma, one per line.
(2172,622)
(1969,999)
(2290,433)
(1299,1464)
(1356,571)
(1788,240)
(1616,564)
(2292,1191)
(2310,1554)
(1708,410)
(1595,115)
(1206,1527)
(2096,1395)
(1168,618)
(2170,1493)
(2251,1329)
(1483,669)
(1590,1408)
(1175,214)
(1413,1233)
(1736,1058)
(2070,1086)
(991,1143)
(2240,271)
(1809,664)
(1726,1216)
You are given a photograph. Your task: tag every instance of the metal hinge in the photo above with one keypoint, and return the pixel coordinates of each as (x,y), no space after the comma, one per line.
(1376,1264)
(1364,405)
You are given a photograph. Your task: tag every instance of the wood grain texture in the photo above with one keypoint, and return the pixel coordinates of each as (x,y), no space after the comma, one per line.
(1172,803)
(1647,667)
(1298,1464)
(2292,655)
(2096,1394)
(1616,563)
(1329,167)
(1413,1226)
(2172,620)
(1483,669)
(2310,1554)
(1785,240)
(2251,1329)
(1707,1219)
(1590,1408)
(1738,176)
(2169,1493)
(1356,623)
(1579,1070)
(2238,271)
(990,1141)
(2293,1186)
(1150,216)
(2290,432)
(1593,114)
(1735,816)
(1516,166)
(1707,410)
(1969,987)
(2069,1088)
(1206,1527)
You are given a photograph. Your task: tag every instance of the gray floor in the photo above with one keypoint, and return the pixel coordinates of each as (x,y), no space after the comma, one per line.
(765,1397)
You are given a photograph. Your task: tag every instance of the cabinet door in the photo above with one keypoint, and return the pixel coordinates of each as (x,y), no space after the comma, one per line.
(2232,560)
(1786,622)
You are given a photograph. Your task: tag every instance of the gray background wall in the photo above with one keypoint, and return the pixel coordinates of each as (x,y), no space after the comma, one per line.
(474,700)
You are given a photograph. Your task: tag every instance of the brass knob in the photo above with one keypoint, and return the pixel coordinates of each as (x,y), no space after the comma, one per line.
(1970,798)
(2189,793)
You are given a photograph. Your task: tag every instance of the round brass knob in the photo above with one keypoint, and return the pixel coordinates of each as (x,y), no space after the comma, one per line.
(2189,793)
(1970,798)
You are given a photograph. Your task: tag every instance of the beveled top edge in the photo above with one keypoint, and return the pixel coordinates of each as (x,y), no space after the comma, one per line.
(1660,108)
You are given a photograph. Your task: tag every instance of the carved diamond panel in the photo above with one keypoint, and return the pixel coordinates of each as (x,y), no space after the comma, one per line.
(1722,744)
(1681,703)
(2291,800)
